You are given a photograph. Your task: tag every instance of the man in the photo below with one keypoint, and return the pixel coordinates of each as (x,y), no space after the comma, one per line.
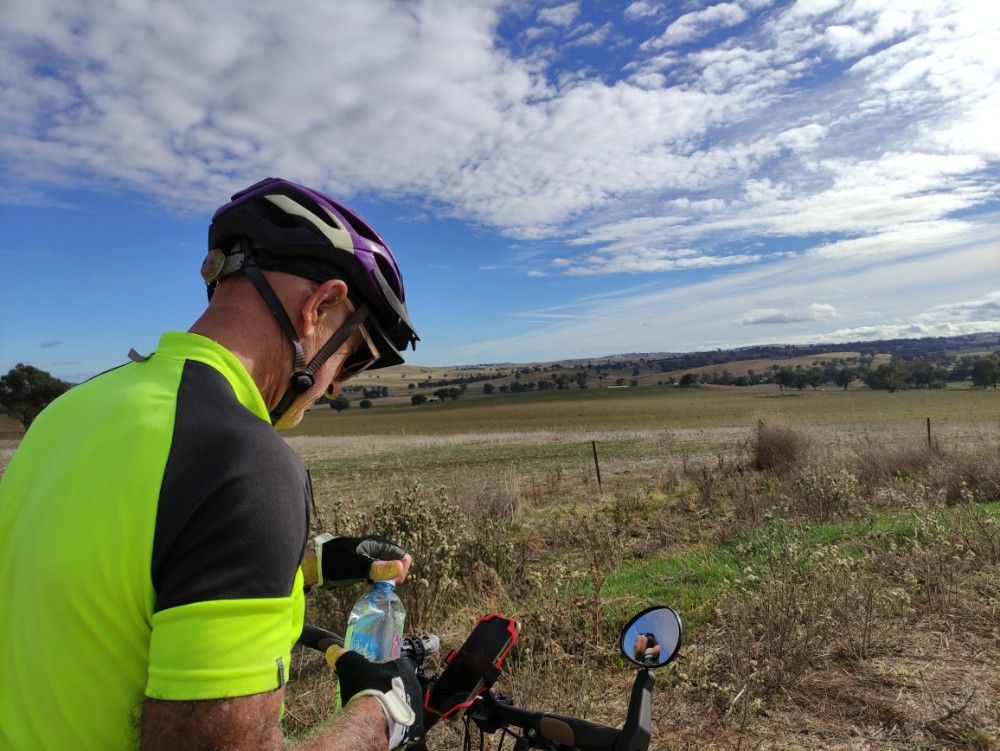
(647,649)
(152,523)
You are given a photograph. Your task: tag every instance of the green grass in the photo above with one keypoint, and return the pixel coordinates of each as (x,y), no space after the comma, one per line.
(692,581)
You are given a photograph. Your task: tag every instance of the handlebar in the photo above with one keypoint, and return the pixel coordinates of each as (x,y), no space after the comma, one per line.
(497,712)
(415,647)
(492,712)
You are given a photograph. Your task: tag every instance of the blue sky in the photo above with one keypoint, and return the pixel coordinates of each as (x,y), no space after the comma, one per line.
(558,179)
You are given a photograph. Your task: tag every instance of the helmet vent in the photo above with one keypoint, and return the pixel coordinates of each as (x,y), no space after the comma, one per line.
(357,225)
(390,274)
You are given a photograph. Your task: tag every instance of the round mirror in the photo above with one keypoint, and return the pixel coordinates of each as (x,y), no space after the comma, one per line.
(652,638)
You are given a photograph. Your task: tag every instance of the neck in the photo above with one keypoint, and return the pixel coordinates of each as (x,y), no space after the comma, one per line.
(263,350)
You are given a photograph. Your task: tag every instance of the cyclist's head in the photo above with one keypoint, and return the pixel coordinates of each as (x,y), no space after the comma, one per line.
(277,225)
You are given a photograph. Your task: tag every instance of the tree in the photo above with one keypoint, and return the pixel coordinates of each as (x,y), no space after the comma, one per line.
(688,379)
(785,377)
(365,404)
(340,403)
(417,399)
(844,377)
(814,377)
(487,388)
(25,391)
(888,376)
(799,379)
(986,371)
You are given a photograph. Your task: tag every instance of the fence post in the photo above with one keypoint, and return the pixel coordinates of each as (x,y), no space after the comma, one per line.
(929,444)
(597,466)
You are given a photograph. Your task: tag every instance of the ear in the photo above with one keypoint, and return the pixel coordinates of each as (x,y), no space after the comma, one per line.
(324,301)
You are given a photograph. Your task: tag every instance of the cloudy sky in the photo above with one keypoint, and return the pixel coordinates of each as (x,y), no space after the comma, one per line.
(557,179)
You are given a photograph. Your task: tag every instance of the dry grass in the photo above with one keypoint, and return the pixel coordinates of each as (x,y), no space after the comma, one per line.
(779,445)
(877,459)
(972,473)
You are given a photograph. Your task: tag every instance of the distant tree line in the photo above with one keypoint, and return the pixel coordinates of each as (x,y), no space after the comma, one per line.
(898,373)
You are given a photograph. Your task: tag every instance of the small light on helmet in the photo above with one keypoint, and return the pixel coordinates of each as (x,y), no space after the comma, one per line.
(211,267)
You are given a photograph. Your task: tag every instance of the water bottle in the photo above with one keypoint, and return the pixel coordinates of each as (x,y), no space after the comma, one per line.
(375,626)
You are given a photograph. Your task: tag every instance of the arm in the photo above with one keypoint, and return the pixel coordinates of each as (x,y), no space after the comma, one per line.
(250,723)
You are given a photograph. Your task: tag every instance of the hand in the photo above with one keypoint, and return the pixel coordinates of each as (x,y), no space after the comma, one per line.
(394,684)
(346,560)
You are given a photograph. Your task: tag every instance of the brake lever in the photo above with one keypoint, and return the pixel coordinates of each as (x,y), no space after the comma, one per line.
(482,711)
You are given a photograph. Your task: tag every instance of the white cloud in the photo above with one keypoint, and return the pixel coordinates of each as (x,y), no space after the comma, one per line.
(647,260)
(559,15)
(690,162)
(802,138)
(595,37)
(20,195)
(642,9)
(534,273)
(815,312)
(987,307)
(695,25)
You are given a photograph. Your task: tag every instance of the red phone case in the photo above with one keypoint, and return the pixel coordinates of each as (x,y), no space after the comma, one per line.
(486,681)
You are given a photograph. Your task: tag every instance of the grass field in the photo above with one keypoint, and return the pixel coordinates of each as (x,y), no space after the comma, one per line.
(656,407)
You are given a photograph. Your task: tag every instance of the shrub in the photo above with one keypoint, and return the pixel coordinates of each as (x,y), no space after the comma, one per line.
(779,445)
(492,510)
(972,474)
(435,533)
(823,494)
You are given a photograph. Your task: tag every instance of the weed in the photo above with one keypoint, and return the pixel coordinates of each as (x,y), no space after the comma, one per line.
(779,445)
(823,494)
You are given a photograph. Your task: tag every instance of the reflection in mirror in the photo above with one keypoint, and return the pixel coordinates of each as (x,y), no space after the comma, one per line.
(652,638)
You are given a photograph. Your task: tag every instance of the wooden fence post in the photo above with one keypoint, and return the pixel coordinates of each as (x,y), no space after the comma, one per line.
(597,466)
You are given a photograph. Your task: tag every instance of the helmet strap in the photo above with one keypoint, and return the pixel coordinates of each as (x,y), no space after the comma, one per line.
(303,374)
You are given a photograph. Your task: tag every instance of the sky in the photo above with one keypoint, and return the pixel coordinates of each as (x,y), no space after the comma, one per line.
(556,179)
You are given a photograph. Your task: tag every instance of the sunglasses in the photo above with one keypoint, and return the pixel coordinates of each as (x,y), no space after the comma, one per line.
(363,357)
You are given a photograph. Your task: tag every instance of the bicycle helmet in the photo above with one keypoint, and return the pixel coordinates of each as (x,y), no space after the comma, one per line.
(278,225)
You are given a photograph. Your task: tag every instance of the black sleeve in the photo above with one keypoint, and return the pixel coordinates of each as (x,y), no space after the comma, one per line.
(232,519)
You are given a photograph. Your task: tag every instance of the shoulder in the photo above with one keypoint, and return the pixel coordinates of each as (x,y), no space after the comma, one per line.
(234,500)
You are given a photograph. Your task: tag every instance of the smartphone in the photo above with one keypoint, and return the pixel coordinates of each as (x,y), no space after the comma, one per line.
(474,667)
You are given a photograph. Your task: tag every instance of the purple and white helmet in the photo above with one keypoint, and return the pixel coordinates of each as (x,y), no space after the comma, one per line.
(304,232)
